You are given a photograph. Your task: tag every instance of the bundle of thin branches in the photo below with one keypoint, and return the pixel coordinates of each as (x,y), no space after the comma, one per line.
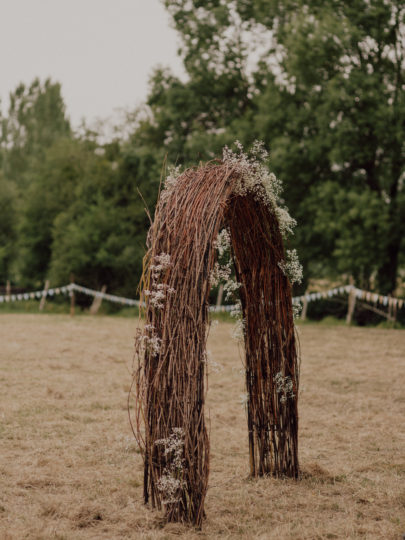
(171,349)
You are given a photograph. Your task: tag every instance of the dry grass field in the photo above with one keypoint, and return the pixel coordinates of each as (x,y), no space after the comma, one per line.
(69,468)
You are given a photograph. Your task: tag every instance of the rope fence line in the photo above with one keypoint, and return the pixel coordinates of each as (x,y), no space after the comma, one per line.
(68,289)
(360,294)
(104,296)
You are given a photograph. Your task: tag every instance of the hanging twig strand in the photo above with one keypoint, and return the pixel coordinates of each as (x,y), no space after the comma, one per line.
(171,349)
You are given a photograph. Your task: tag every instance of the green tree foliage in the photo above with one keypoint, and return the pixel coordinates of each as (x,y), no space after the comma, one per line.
(68,204)
(36,118)
(321,83)
(52,186)
(8,227)
(100,237)
(326,94)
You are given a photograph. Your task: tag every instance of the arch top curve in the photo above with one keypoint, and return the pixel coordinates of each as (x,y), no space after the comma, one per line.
(237,193)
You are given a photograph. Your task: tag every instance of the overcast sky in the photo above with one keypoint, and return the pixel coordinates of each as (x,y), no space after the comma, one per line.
(101,51)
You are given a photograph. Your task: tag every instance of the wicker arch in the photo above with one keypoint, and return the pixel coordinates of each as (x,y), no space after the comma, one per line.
(169,380)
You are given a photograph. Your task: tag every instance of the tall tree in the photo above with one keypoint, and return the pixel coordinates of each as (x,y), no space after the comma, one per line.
(326,94)
(36,118)
(52,185)
(100,237)
(8,227)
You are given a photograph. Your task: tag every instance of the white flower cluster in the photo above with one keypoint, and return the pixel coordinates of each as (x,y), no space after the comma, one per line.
(173,447)
(284,386)
(285,221)
(230,287)
(170,183)
(255,178)
(244,399)
(159,291)
(220,272)
(214,324)
(237,310)
(147,341)
(223,242)
(170,483)
(169,486)
(238,331)
(297,308)
(214,366)
(292,267)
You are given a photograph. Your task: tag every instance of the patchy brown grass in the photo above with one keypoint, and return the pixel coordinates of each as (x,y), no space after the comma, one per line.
(69,468)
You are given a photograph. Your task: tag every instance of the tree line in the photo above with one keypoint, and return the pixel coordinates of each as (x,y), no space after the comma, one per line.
(322,84)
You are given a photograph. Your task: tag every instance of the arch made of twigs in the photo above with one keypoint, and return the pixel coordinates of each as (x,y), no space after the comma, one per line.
(169,377)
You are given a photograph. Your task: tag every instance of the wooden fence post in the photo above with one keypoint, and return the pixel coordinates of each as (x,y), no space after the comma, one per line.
(72,297)
(304,307)
(220,293)
(95,306)
(8,290)
(43,299)
(351,304)
(392,309)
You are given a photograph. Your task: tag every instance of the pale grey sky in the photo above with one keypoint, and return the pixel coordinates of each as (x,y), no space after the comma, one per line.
(101,51)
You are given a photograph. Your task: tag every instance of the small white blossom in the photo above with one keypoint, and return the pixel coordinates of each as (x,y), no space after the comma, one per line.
(173,447)
(154,343)
(170,483)
(169,486)
(284,386)
(285,222)
(254,178)
(149,327)
(219,273)
(214,324)
(244,399)
(230,287)
(236,311)
(214,366)
(170,183)
(292,267)
(223,242)
(158,292)
(238,331)
(297,308)
(164,260)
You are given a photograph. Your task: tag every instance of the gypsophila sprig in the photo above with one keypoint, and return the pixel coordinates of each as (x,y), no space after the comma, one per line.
(292,267)
(220,272)
(223,242)
(213,366)
(170,183)
(147,341)
(173,447)
(254,177)
(244,399)
(238,331)
(159,291)
(169,487)
(223,273)
(284,386)
(170,481)
(285,221)
(297,308)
